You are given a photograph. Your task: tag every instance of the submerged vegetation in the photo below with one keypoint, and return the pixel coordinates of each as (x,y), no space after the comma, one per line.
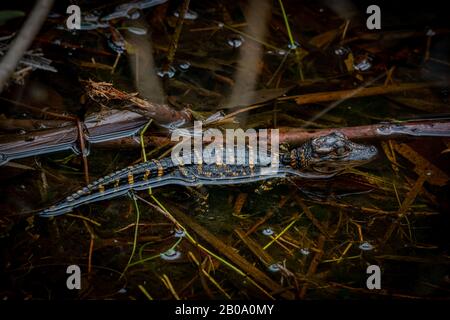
(82,104)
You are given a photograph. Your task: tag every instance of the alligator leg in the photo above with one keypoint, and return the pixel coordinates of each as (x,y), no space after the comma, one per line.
(201,196)
(268,185)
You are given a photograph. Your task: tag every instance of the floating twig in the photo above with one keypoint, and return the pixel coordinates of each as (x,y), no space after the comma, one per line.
(360,92)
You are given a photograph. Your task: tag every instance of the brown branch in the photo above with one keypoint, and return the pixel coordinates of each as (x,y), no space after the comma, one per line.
(360,92)
(297,136)
(24,39)
(382,131)
(46,141)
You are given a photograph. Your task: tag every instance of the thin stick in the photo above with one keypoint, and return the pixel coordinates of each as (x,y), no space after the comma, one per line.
(217,27)
(83,154)
(144,291)
(144,154)
(91,246)
(176,36)
(116,62)
(286,22)
(280,234)
(344,33)
(39,110)
(208,276)
(24,39)
(409,199)
(84,218)
(165,279)
(135,236)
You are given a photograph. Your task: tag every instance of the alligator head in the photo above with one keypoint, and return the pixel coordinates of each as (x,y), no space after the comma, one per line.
(330,154)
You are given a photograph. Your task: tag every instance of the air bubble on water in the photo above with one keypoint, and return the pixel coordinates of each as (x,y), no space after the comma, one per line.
(235,41)
(138,31)
(117,46)
(341,51)
(294,45)
(281,52)
(363,65)
(276,267)
(268,232)
(166,73)
(304,251)
(170,255)
(184,65)
(189,15)
(179,233)
(123,291)
(365,246)
(220,25)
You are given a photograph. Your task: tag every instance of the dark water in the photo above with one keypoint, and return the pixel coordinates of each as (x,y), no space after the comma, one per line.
(356,213)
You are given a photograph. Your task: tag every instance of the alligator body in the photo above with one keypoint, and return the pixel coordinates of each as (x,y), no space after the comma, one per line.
(321,157)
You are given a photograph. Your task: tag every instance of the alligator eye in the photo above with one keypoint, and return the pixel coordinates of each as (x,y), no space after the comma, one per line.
(340,151)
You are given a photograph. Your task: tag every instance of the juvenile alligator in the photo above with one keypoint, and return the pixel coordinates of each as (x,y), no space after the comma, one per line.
(321,157)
